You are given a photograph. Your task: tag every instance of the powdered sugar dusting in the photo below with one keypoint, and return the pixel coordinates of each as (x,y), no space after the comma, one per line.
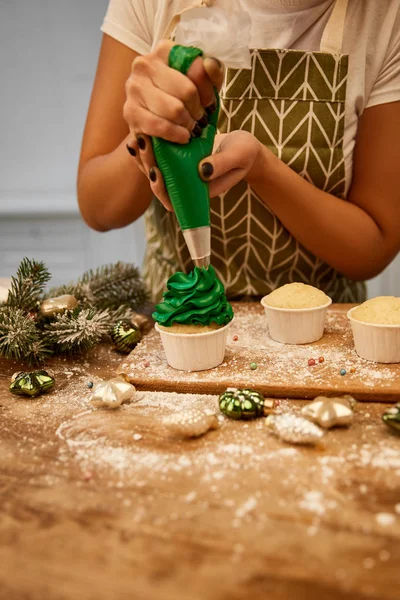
(281,370)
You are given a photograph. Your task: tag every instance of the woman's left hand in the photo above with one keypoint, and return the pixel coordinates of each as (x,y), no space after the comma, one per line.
(237,155)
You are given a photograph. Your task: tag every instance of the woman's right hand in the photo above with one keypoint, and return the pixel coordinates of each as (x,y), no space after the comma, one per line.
(162,102)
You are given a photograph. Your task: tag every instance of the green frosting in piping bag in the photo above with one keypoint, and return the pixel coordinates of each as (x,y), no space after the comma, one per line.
(179,163)
(196,299)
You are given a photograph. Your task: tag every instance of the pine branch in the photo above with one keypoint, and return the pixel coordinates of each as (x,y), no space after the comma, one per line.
(109,286)
(28,285)
(78,330)
(113,285)
(20,338)
(122,312)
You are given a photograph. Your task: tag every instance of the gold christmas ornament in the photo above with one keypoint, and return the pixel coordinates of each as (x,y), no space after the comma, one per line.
(125,336)
(139,320)
(112,393)
(294,429)
(330,412)
(55,306)
(190,423)
(31,384)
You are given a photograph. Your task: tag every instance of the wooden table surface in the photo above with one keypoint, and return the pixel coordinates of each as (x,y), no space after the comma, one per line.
(282,369)
(102,504)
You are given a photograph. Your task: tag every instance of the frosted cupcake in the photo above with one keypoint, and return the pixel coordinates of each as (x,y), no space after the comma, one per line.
(376,329)
(193,320)
(296,313)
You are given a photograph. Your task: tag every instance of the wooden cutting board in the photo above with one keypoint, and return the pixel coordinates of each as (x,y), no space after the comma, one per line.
(282,370)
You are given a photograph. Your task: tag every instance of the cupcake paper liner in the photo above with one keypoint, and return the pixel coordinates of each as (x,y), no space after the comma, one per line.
(378,343)
(296,325)
(194,351)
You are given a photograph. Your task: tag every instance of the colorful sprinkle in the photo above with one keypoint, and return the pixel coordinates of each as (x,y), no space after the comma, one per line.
(343,371)
(321,359)
(352,370)
(311,362)
(146,363)
(253,366)
(90,384)
(235,338)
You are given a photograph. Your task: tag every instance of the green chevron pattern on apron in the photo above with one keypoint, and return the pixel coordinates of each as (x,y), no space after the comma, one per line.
(294,103)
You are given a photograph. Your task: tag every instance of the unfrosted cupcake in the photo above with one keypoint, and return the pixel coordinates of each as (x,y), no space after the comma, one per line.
(193,319)
(296,313)
(376,329)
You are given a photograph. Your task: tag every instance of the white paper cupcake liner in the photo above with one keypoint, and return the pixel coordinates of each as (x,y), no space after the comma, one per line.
(296,325)
(194,351)
(378,343)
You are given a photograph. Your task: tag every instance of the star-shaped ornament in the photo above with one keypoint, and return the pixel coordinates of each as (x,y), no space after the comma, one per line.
(193,422)
(31,384)
(112,393)
(330,412)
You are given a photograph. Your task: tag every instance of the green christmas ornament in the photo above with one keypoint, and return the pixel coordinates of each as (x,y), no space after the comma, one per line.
(179,165)
(125,336)
(391,417)
(31,384)
(245,404)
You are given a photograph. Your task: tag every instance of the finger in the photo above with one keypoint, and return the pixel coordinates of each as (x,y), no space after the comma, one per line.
(152,69)
(146,154)
(142,147)
(163,49)
(167,107)
(217,164)
(158,187)
(181,87)
(217,169)
(133,149)
(215,71)
(198,75)
(150,124)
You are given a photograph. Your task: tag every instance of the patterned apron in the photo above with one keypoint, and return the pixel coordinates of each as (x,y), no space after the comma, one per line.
(294,103)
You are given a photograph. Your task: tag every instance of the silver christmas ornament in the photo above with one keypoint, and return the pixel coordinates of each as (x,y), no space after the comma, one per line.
(112,393)
(190,423)
(328,412)
(294,429)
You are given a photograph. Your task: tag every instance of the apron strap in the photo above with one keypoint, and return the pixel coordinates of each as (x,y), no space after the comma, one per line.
(332,38)
(175,19)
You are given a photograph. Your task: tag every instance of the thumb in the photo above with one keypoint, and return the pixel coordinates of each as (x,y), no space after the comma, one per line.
(217,164)
(215,71)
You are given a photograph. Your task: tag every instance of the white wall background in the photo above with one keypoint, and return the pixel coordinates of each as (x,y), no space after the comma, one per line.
(48,54)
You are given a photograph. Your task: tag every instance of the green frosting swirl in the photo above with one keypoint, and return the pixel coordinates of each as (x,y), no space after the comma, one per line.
(196,299)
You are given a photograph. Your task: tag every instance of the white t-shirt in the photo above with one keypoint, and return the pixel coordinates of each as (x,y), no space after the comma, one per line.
(371,38)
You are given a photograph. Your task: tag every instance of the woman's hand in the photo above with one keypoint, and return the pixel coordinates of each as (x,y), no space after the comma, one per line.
(162,102)
(238,155)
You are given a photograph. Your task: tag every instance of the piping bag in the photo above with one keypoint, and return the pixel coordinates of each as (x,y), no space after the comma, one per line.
(201,30)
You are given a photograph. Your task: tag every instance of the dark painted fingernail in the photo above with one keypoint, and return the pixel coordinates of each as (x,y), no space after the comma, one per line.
(196,131)
(131,151)
(141,142)
(212,108)
(207,169)
(203,122)
(152,175)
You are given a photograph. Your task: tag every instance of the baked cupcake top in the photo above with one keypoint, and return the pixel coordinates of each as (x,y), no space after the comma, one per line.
(197,299)
(382,310)
(296,295)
